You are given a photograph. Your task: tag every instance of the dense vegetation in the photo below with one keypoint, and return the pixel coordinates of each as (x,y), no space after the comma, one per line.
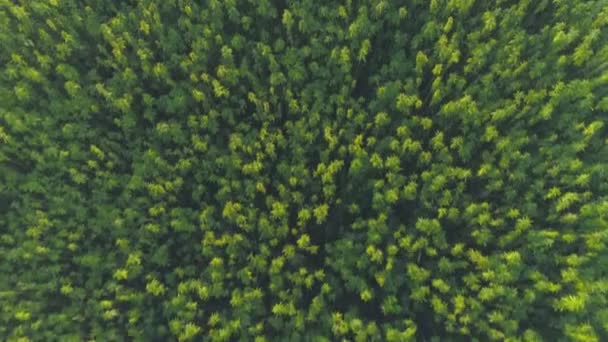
(256,170)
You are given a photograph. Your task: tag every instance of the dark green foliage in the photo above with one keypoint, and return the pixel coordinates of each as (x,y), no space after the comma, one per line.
(303,170)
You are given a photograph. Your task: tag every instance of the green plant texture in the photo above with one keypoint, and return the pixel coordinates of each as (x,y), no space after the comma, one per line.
(299,170)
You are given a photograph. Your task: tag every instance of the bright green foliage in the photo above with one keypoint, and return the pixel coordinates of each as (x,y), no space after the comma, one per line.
(243,170)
